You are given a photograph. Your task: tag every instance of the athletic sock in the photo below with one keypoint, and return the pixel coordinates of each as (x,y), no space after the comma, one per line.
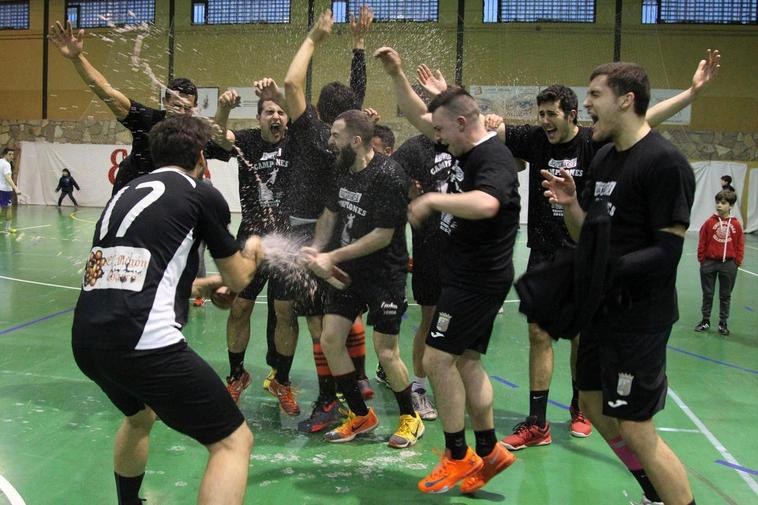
(127,489)
(283,367)
(235,363)
(574,396)
(348,385)
(419,383)
(405,402)
(634,466)
(538,406)
(356,348)
(485,442)
(456,444)
(326,386)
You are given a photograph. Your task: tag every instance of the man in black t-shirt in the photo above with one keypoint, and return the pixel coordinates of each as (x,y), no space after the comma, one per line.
(180,99)
(648,188)
(126,333)
(363,229)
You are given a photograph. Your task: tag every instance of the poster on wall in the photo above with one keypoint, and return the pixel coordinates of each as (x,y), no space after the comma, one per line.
(519,102)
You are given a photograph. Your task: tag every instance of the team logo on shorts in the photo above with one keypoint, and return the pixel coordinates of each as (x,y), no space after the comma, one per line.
(443,321)
(624,386)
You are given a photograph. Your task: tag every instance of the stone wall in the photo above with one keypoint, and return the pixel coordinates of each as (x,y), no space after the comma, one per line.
(696,145)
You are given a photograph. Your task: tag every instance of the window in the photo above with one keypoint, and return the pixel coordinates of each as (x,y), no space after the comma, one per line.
(700,11)
(388,10)
(14,15)
(533,11)
(102,13)
(226,12)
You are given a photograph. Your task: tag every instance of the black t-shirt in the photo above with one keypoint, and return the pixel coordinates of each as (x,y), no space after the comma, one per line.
(140,120)
(263,172)
(546,229)
(480,253)
(375,197)
(139,274)
(429,164)
(648,187)
(311,166)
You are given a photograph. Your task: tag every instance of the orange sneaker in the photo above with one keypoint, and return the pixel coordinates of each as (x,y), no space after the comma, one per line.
(527,434)
(494,463)
(236,385)
(579,426)
(353,426)
(450,471)
(283,393)
(198,301)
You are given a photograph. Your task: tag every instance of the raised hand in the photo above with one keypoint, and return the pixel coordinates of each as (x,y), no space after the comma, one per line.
(229,99)
(706,70)
(359,27)
(323,27)
(433,82)
(373,115)
(266,89)
(559,190)
(390,59)
(69,44)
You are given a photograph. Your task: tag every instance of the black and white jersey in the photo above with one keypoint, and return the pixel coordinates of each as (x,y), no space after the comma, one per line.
(138,277)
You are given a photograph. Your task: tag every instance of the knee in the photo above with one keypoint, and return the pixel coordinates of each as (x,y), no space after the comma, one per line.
(538,337)
(386,354)
(240,310)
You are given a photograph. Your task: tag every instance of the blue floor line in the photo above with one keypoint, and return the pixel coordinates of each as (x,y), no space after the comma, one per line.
(503,381)
(559,404)
(35,321)
(737,467)
(717,361)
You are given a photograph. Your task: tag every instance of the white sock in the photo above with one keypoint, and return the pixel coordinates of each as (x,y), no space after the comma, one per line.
(418,383)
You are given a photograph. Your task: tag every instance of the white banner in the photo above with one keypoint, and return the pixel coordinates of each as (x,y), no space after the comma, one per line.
(707,178)
(752,203)
(94,168)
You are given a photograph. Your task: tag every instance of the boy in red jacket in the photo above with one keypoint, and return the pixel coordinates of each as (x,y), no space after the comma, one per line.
(720,251)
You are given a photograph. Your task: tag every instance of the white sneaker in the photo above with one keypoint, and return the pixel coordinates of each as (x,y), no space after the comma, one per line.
(423,406)
(646,501)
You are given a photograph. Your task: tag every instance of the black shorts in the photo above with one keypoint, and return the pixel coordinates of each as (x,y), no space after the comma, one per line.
(182,389)
(463,320)
(425,278)
(386,304)
(629,368)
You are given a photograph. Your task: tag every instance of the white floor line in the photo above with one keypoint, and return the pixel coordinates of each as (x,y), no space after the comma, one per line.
(10,492)
(747,271)
(713,440)
(39,283)
(32,227)
(751,247)
(678,430)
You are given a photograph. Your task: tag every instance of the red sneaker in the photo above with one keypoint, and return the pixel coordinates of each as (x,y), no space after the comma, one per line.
(527,434)
(198,301)
(283,393)
(450,471)
(236,385)
(494,463)
(579,426)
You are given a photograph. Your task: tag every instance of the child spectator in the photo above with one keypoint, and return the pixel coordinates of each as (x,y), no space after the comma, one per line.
(66,185)
(720,251)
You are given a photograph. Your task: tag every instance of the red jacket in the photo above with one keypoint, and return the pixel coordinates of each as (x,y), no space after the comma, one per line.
(721,239)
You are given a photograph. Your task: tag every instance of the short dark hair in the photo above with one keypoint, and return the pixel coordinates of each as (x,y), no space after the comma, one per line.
(627,78)
(334,99)
(385,134)
(260,104)
(182,85)
(178,141)
(727,178)
(7,150)
(457,99)
(726,195)
(567,100)
(359,124)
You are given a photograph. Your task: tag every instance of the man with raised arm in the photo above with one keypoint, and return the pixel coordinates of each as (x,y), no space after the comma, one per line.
(180,99)
(648,188)
(126,334)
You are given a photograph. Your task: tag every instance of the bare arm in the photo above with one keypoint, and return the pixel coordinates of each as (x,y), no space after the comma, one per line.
(562,191)
(706,71)
(472,205)
(324,229)
(71,46)
(294,82)
(407,100)
(376,239)
(239,269)
(222,136)
(9,180)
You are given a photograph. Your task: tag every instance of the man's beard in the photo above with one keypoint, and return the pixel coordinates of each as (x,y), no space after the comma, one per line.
(345,158)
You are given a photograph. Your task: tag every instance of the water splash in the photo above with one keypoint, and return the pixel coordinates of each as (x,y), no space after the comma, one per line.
(281,256)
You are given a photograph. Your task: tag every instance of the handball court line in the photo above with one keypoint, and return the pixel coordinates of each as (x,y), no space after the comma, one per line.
(10,492)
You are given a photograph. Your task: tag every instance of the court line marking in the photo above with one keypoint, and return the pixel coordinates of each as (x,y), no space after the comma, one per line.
(737,467)
(39,283)
(73,216)
(751,247)
(33,227)
(34,321)
(10,492)
(713,440)
(747,271)
(712,360)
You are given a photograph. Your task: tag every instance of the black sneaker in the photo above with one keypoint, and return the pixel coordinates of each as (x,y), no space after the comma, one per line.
(703,325)
(723,330)
(325,414)
(381,375)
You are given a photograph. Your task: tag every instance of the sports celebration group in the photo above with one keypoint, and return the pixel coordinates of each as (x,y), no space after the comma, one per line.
(608,206)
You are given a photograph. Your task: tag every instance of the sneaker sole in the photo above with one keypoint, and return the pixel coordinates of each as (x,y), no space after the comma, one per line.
(513,448)
(408,442)
(428,417)
(506,463)
(578,434)
(445,489)
(341,440)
